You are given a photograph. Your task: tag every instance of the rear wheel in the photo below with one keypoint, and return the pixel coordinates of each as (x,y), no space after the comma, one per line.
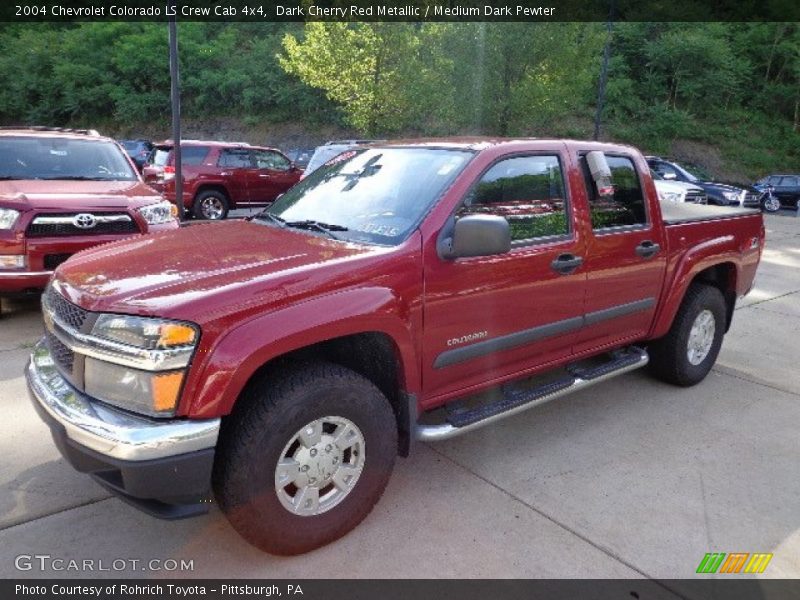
(211,205)
(305,459)
(686,354)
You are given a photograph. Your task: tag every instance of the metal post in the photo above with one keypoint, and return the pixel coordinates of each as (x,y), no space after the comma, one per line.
(601,86)
(175,96)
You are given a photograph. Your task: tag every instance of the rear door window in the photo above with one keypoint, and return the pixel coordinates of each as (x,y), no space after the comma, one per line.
(235,158)
(193,155)
(626,206)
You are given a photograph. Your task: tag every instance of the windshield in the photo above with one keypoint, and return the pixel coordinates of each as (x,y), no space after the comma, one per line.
(322,155)
(62,158)
(377,195)
(159,157)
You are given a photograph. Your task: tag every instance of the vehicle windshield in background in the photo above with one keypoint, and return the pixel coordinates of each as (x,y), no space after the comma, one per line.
(323,154)
(376,195)
(159,157)
(62,158)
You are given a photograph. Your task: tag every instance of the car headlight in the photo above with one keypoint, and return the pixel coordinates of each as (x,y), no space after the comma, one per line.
(731,196)
(670,196)
(145,332)
(8,216)
(158,214)
(122,380)
(150,393)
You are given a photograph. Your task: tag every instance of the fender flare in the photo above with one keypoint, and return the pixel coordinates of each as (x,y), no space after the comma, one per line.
(713,252)
(240,353)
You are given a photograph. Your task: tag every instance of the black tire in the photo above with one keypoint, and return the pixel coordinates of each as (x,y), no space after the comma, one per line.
(669,360)
(253,438)
(210,205)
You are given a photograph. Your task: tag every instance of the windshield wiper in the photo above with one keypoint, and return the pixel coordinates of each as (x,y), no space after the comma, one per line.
(326,228)
(263,216)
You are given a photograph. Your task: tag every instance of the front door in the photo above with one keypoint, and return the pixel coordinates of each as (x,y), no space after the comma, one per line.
(271,176)
(487,318)
(625,259)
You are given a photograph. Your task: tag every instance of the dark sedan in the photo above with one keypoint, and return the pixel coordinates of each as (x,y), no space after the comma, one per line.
(719,193)
(786,188)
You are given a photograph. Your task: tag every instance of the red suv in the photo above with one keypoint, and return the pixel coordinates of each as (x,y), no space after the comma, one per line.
(62,191)
(221,176)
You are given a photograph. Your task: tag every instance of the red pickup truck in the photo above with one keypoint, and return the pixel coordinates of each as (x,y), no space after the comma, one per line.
(404,291)
(62,191)
(221,176)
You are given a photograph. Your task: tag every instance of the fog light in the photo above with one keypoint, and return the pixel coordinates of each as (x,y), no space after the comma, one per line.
(12,261)
(154,394)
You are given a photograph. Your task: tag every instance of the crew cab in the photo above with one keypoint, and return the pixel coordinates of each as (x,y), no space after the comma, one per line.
(221,176)
(407,291)
(62,191)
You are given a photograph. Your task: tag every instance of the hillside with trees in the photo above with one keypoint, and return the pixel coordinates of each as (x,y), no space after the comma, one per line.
(725,95)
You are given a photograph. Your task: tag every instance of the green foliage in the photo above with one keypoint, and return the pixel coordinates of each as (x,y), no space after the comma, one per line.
(733,86)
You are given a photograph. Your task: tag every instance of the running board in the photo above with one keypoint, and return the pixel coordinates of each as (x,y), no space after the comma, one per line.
(461,420)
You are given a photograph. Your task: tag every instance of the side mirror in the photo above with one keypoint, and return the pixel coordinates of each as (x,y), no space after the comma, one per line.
(477,235)
(669,176)
(601,173)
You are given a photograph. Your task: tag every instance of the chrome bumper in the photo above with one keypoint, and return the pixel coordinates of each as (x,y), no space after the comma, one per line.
(108,431)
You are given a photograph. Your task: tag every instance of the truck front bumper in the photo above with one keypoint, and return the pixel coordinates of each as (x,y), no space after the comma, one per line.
(160,466)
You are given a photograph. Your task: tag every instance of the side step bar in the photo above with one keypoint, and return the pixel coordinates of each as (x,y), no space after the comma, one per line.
(462,420)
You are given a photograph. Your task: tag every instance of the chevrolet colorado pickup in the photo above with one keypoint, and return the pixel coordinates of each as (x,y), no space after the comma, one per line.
(62,191)
(405,291)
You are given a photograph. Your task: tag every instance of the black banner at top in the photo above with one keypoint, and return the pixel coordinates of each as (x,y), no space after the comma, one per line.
(399,10)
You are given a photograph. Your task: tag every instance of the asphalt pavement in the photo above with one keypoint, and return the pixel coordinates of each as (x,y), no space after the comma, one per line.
(630,479)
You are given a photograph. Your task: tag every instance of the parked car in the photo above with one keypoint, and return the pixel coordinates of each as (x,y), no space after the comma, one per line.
(718,193)
(786,188)
(678,191)
(286,360)
(138,150)
(332,149)
(221,176)
(62,191)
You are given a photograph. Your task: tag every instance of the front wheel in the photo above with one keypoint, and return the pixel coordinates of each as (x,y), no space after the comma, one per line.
(771,204)
(686,354)
(305,459)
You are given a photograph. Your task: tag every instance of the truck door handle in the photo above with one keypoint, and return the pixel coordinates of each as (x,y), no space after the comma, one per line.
(647,249)
(566,263)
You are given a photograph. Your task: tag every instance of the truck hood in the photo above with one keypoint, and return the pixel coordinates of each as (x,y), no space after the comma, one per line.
(196,271)
(80,195)
(725,187)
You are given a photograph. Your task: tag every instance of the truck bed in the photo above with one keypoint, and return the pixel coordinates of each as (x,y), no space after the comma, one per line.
(673,213)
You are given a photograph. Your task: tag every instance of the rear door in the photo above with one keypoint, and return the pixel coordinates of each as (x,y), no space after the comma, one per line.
(625,259)
(234,167)
(491,317)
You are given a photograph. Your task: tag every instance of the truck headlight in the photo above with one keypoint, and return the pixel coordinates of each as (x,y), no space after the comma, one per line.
(145,332)
(8,216)
(731,196)
(670,196)
(150,393)
(158,214)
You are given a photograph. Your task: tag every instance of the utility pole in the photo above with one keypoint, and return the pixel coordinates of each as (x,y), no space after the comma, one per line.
(601,86)
(175,97)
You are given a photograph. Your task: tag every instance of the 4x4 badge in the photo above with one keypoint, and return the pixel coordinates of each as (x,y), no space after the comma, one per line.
(84,221)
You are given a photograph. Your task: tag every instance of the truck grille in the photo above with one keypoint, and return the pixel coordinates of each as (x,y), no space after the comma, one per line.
(62,224)
(65,311)
(63,356)
(751,199)
(51,261)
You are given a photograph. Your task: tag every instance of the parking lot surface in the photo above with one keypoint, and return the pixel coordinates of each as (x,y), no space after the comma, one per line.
(631,478)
